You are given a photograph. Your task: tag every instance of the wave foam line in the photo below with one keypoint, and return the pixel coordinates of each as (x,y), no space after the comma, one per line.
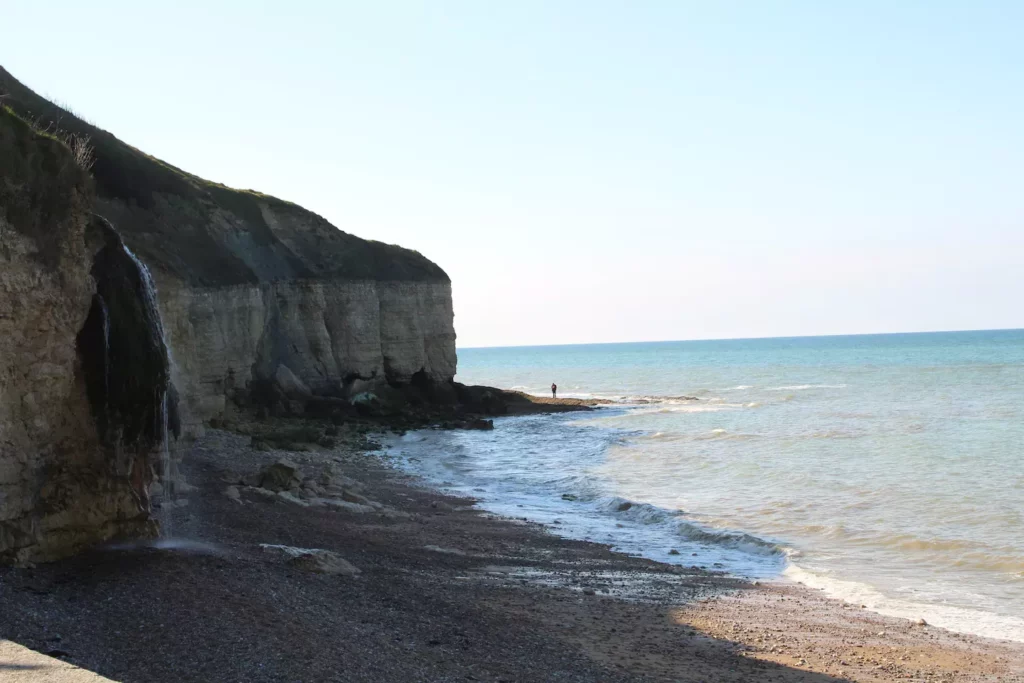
(961,619)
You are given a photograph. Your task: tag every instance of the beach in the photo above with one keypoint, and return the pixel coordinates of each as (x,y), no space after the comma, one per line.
(444,592)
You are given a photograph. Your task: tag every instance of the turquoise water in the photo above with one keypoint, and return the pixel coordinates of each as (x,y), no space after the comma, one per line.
(885,469)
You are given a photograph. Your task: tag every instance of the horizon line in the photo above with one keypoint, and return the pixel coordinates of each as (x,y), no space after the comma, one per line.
(716,339)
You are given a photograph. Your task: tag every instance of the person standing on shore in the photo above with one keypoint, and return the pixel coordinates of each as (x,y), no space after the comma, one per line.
(554,389)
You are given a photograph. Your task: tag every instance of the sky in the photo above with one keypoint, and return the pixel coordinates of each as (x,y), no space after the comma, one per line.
(598,171)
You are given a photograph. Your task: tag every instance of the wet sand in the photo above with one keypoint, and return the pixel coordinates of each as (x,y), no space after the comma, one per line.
(445,593)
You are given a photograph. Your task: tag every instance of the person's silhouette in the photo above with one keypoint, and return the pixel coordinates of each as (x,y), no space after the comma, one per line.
(554,390)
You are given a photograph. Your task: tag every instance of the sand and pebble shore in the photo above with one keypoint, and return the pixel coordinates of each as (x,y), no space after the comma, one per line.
(443,593)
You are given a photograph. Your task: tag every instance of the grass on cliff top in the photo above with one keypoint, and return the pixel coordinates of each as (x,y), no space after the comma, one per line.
(40,182)
(121,171)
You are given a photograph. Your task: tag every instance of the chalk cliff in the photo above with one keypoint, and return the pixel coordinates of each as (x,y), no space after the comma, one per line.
(251,286)
(250,290)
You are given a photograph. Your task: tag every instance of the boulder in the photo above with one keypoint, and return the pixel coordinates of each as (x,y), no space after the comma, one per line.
(281,476)
(323,562)
(314,560)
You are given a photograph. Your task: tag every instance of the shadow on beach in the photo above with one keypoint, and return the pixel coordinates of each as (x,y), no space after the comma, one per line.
(444,594)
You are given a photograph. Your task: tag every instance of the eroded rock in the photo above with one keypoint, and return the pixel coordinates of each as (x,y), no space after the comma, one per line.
(283,475)
(61,490)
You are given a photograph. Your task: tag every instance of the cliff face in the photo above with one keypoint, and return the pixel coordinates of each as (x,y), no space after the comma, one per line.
(97,366)
(60,488)
(251,287)
(338,338)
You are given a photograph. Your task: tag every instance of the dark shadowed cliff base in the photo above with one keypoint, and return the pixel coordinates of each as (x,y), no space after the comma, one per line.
(444,593)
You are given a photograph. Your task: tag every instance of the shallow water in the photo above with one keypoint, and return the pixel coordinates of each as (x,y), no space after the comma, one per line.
(885,469)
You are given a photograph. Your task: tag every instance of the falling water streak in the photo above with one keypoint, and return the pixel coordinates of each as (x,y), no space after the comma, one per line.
(166,527)
(105,314)
(167,480)
(150,289)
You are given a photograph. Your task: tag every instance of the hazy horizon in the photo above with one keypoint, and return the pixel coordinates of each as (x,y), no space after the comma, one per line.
(725,339)
(594,172)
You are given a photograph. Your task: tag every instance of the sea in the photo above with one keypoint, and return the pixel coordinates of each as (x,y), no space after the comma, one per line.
(885,470)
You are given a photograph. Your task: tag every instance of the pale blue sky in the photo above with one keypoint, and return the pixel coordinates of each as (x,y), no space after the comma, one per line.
(599,171)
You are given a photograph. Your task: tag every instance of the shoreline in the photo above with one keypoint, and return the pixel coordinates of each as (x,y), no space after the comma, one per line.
(446,592)
(592,519)
(986,620)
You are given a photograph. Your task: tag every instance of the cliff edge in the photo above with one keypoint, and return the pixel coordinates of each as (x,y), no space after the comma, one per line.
(254,289)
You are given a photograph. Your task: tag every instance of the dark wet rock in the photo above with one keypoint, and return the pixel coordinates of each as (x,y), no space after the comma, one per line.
(283,475)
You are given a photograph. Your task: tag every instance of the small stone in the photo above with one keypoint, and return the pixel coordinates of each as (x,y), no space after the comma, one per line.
(292,498)
(323,562)
(266,493)
(446,551)
(921,622)
(233,493)
(673,552)
(353,497)
(340,505)
(391,513)
(588,591)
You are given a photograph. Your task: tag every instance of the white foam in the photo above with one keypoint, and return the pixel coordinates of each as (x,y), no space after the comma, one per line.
(977,622)
(801,387)
(698,408)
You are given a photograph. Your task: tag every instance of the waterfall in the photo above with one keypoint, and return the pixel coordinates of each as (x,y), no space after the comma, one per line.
(127,364)
(105,319)
(163,417)
(166,524)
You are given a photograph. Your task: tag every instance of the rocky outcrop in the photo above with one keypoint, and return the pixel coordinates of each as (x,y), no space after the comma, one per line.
(60,487)
(249,284)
